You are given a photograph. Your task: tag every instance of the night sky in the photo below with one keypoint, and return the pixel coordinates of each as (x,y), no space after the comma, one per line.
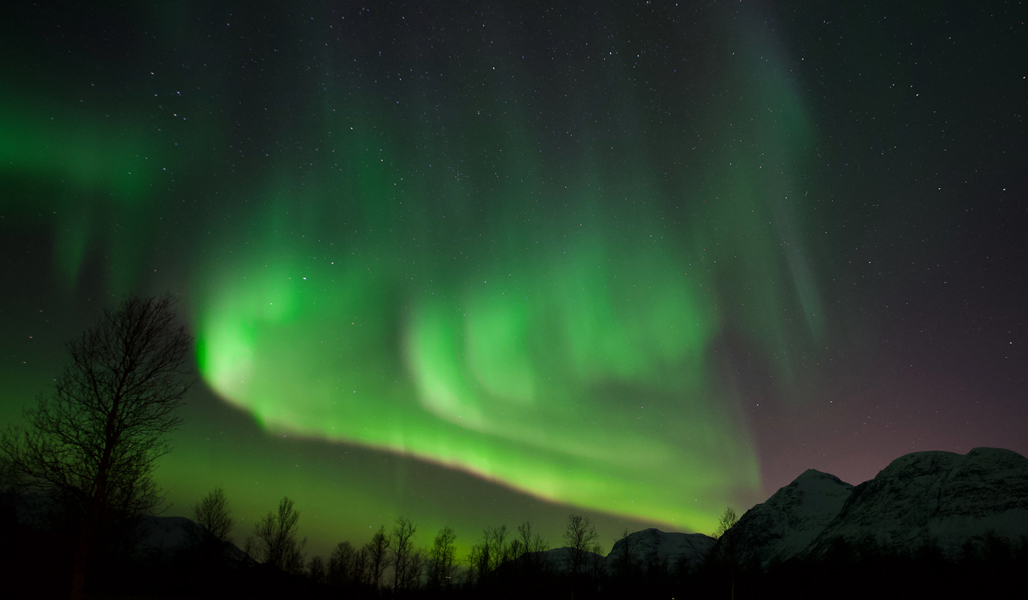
(477,263)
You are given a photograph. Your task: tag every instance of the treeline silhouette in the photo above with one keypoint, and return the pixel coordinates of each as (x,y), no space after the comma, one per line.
(502,563)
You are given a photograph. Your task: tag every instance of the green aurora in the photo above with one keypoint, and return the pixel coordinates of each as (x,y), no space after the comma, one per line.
(558,339)
(428,268)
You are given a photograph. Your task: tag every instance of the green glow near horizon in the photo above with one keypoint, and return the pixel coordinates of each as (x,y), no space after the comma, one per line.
(574,389)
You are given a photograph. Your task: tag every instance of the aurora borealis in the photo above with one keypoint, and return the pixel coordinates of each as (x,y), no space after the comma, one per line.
(480,263)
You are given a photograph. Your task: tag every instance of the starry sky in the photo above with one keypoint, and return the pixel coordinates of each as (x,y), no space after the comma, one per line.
(477,263)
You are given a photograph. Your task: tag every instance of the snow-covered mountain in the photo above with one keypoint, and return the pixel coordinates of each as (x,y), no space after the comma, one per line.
(652,546)
(939,497)
(789,521)
(645,548)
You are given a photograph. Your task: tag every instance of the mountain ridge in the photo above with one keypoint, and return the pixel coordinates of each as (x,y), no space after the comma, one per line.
(930,499)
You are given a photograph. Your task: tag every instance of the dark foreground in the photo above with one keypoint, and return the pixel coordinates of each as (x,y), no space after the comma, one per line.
(32,565)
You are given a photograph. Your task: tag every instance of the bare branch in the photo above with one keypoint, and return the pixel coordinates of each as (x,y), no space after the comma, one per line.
(97,437)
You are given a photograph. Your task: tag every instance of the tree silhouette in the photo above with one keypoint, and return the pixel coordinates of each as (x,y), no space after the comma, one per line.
(348,566)
(531,547)
(213,514)
(580,539)
(499,550)
(377,556)
(360,569)
(724,550)
(341,564)
(727,520)
(406,560)
(488,555)
(94,442)
(442,560)
(316,570)
(276,535)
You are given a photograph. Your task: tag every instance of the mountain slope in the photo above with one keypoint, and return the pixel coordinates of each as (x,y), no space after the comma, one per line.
(652,546)
(788,522)
(938,497)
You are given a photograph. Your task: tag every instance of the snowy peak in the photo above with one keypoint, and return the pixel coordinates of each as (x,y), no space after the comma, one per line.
(655,547)
(789,521)
(935,497)
(812,495)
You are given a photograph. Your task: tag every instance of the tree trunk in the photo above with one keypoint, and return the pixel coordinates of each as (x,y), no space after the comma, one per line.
(94,509)
(80,562)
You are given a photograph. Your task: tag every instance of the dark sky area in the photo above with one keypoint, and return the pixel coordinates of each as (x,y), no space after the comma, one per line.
(477,263)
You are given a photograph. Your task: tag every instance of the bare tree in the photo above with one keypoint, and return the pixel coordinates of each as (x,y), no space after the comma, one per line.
(213,515)
(406,561)
(348,566)
(724,549)
(94,442)
(316,570)
(531,545)
(251,549)
(442,559)
(341,564)
(580,539)
(727,520)
(415,568)
(361,569)
(10,484)
(486,556)
(499,550)
(478,563)
(377,552)
(276,538)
